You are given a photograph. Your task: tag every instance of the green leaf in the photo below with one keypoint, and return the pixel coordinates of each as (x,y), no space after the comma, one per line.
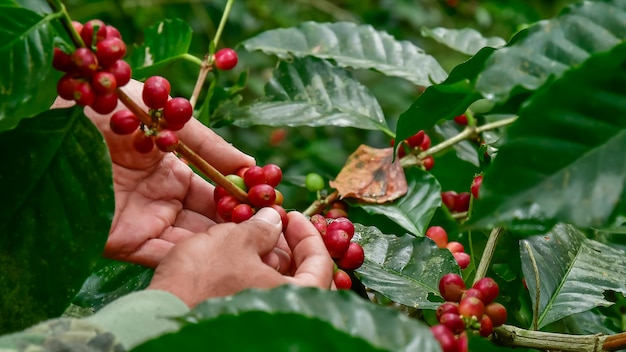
(549,48)
(563,160)
(164,42)
(310,92)
(351,45)
(27,82)
(467,40)
(55,215)
(404,269)
(443,101)
(574,272)
(415,209)
(344,311)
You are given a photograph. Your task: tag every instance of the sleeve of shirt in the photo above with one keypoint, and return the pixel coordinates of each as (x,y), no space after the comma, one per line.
(119,326)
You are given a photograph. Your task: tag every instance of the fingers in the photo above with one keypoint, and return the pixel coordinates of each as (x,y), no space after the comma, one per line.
(279,260)
(263,230)
(313,263)
(149,254)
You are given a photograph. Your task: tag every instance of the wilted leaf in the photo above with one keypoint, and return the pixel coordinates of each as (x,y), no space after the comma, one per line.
(467,40)
(370,175)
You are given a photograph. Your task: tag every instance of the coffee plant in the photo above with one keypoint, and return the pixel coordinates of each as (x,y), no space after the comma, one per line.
(472,194)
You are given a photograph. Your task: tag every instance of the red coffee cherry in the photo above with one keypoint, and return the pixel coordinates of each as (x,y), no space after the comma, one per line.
(496,312)
(218,193)
(415,140)
(225,207)
(428,162)
(319,222)
(455,246)
(342,280)
(104,103)
(425,143)
(85,62)
(225,59)
(486,326)
(448,199)
(353,258)
(461,119)
(78,27)
(122,72)
(254,175)
(62,61)
(451,287)
(103,82)
(401,149)
(125,122)
(112,32)
(472,292)
(336,213)
(262,195)
(87,32)
(462,202)
(156,92)
(476,183)
(342,223)
(283,214)
(445,337)
(177,111)
(110,50)
(462,342)
(471,307)
(439,235)
(462,258)
(447,307)
(241,213)
(273,174)
(337,243)
(83,93)
(166,140)
(489,288)
(66,87)
(142,143)
(453,321)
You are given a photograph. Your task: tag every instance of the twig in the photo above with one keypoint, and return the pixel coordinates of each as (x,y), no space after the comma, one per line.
(488,252)
(537,287)
(66,21)
(511,336)
(318,204)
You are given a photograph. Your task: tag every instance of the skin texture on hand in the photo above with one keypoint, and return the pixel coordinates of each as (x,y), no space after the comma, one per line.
(228,258)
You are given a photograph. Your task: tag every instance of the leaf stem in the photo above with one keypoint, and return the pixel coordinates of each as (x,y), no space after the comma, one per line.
(66,21)
(490,249)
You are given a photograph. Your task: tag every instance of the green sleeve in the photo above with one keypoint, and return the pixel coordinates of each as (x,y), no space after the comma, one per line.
(119,326)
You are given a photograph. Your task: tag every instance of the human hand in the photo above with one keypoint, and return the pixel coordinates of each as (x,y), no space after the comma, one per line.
(228,258)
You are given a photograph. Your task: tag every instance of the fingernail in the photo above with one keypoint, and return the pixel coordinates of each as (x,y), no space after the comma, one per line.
(268,215)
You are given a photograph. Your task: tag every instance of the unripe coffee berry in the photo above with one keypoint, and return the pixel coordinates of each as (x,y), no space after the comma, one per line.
(238,181)
(225,59)
(313,182)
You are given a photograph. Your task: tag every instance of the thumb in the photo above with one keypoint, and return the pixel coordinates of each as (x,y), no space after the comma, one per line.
(262,230)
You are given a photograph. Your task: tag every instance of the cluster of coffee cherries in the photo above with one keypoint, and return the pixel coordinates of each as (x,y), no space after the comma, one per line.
(94,72)
(466,311)
(259,183)
(439,235)
(460,202)
(415,144)
(337,234)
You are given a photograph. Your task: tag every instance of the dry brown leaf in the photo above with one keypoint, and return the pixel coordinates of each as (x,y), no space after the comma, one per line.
(370,175)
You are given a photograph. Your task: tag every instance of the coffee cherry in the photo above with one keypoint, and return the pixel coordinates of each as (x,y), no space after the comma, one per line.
(104,103)
(447,307)
(279,197)
(254,175)
(353,258)
(337,243)
(238,181)
(451,287)
(85,62)
(218,193)
(283,214)
(428,162)
(87,32)
(319,222)
(339,204)
(342,223)
(242,170)
(124,122)
(462,342)
(177,111)
(122,72)
(62,61)
(461,119)
(83,93)
(445,337)
(166,140)
(156,92)
(225,207)
(241,213)
(448,199)
(262,195)
(143,143)
(453,321)
(66,87)
(486,326)
(225,59)
(336,213)
(472,292)
(496,312)
(78,27)
(110,50)
(476,183)
(462,258)
(342,280)
(425,143)
(462,202)
(103,82)
(415,140)
(112,32)
(314,182)
(455,246)
(488,287)
(401,151)
(273,174)
(439,235)
(471,307)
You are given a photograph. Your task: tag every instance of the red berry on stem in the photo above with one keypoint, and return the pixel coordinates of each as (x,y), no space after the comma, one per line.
(462,202)
(218,193)
(110,50)
(337,243)
(62,61)
(254,175)
(439,235)
(319,222)
(241,213)
(283,214)
(103,82)
(342,223)
(122,72)
(177,111)
(85,62)
(488,287)
(225,59)
(104,103)
(451,287)
(336,213)
(342,280)
(166,140)
(225,207)
(78,27)
(156,92)
(497,313)
(476,183)
(124,122)
(462,258)
(462,342)
(453,321)
(238,181)
(279,197)
(472,292)
(448,199)
(262,195)
(447,307)
(401,151)
(486,326)
(242,170)
(416,139)
(83,93)
(112,32)
(428,162)
(87,32)
(461,119)
(425,143)
(353,258)
(445,337)
(66,87)
(471,307)
(455,246)
(273,174)
(143,143)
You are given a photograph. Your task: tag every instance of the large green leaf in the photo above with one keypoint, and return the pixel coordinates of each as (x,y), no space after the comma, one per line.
(27,80)
(549,48)
(405,269)
(165,41)
(573,270)
(55,215)
(467,40)
(351,45)
(312,92)
(342,312)
(564,159)
(415,209)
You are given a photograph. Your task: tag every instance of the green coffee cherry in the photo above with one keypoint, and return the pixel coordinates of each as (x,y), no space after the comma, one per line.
(314,182)
(237,180)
